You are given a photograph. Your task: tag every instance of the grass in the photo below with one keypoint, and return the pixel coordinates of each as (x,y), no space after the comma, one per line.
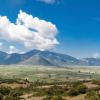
(49,74)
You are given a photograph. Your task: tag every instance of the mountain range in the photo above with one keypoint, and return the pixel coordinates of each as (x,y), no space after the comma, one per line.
(46,58)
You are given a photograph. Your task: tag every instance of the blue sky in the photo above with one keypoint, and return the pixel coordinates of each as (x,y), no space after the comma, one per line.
(77,22)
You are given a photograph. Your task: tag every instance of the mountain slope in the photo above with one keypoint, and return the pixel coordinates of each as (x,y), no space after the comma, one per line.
(36,60)
(46,58)
(92,61)
(3,56)
(49,58)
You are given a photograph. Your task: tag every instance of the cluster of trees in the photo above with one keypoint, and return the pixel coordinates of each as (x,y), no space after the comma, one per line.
(77,88)
(66,89)
(6,93)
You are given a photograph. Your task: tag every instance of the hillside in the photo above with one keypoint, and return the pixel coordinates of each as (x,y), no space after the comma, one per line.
(46,58)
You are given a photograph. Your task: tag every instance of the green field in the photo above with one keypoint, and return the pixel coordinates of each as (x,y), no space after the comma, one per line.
(49,73)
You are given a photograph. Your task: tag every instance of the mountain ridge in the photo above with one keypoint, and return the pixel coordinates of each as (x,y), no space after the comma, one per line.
(46,58)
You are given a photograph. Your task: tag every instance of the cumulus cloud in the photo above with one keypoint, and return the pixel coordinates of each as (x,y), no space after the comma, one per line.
(29,31)
(48,1)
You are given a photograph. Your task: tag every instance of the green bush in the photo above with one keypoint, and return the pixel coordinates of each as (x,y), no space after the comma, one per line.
(93,95)
(53,98)
(73,92)
(81,88)
(1,96)
(77,88)
(4,90)
(16,93)
(55,90)
(96,82)
(75,84)
(9,97)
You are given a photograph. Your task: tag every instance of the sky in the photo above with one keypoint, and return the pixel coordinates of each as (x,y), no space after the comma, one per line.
(67,26)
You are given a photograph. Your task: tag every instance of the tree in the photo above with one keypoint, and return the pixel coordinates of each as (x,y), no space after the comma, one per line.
(73,92)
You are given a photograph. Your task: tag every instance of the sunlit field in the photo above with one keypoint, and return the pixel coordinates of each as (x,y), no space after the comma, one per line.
(50,73)
(18,82)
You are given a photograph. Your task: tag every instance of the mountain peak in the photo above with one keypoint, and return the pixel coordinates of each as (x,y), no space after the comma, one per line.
(48,58)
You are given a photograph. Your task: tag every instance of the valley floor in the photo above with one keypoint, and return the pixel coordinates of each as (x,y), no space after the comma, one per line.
(47,83)
(50,73)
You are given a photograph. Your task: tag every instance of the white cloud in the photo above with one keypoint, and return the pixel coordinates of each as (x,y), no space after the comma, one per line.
(13,49)
(48,1)
(29,31)
(96,55)
(1,44)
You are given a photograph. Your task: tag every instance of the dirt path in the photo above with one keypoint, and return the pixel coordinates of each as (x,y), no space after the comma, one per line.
(80,97)
(29,97)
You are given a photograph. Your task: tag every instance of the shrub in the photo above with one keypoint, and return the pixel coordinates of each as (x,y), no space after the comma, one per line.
(16,93)
(82,88)
(55,90)
(53,98)
(75,84)
(96,82)
(73,92)
(5,90)
(1,96)
(11,98)
(93,95)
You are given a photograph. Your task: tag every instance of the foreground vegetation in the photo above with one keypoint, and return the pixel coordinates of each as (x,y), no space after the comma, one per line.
(28,83)
(18,89)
